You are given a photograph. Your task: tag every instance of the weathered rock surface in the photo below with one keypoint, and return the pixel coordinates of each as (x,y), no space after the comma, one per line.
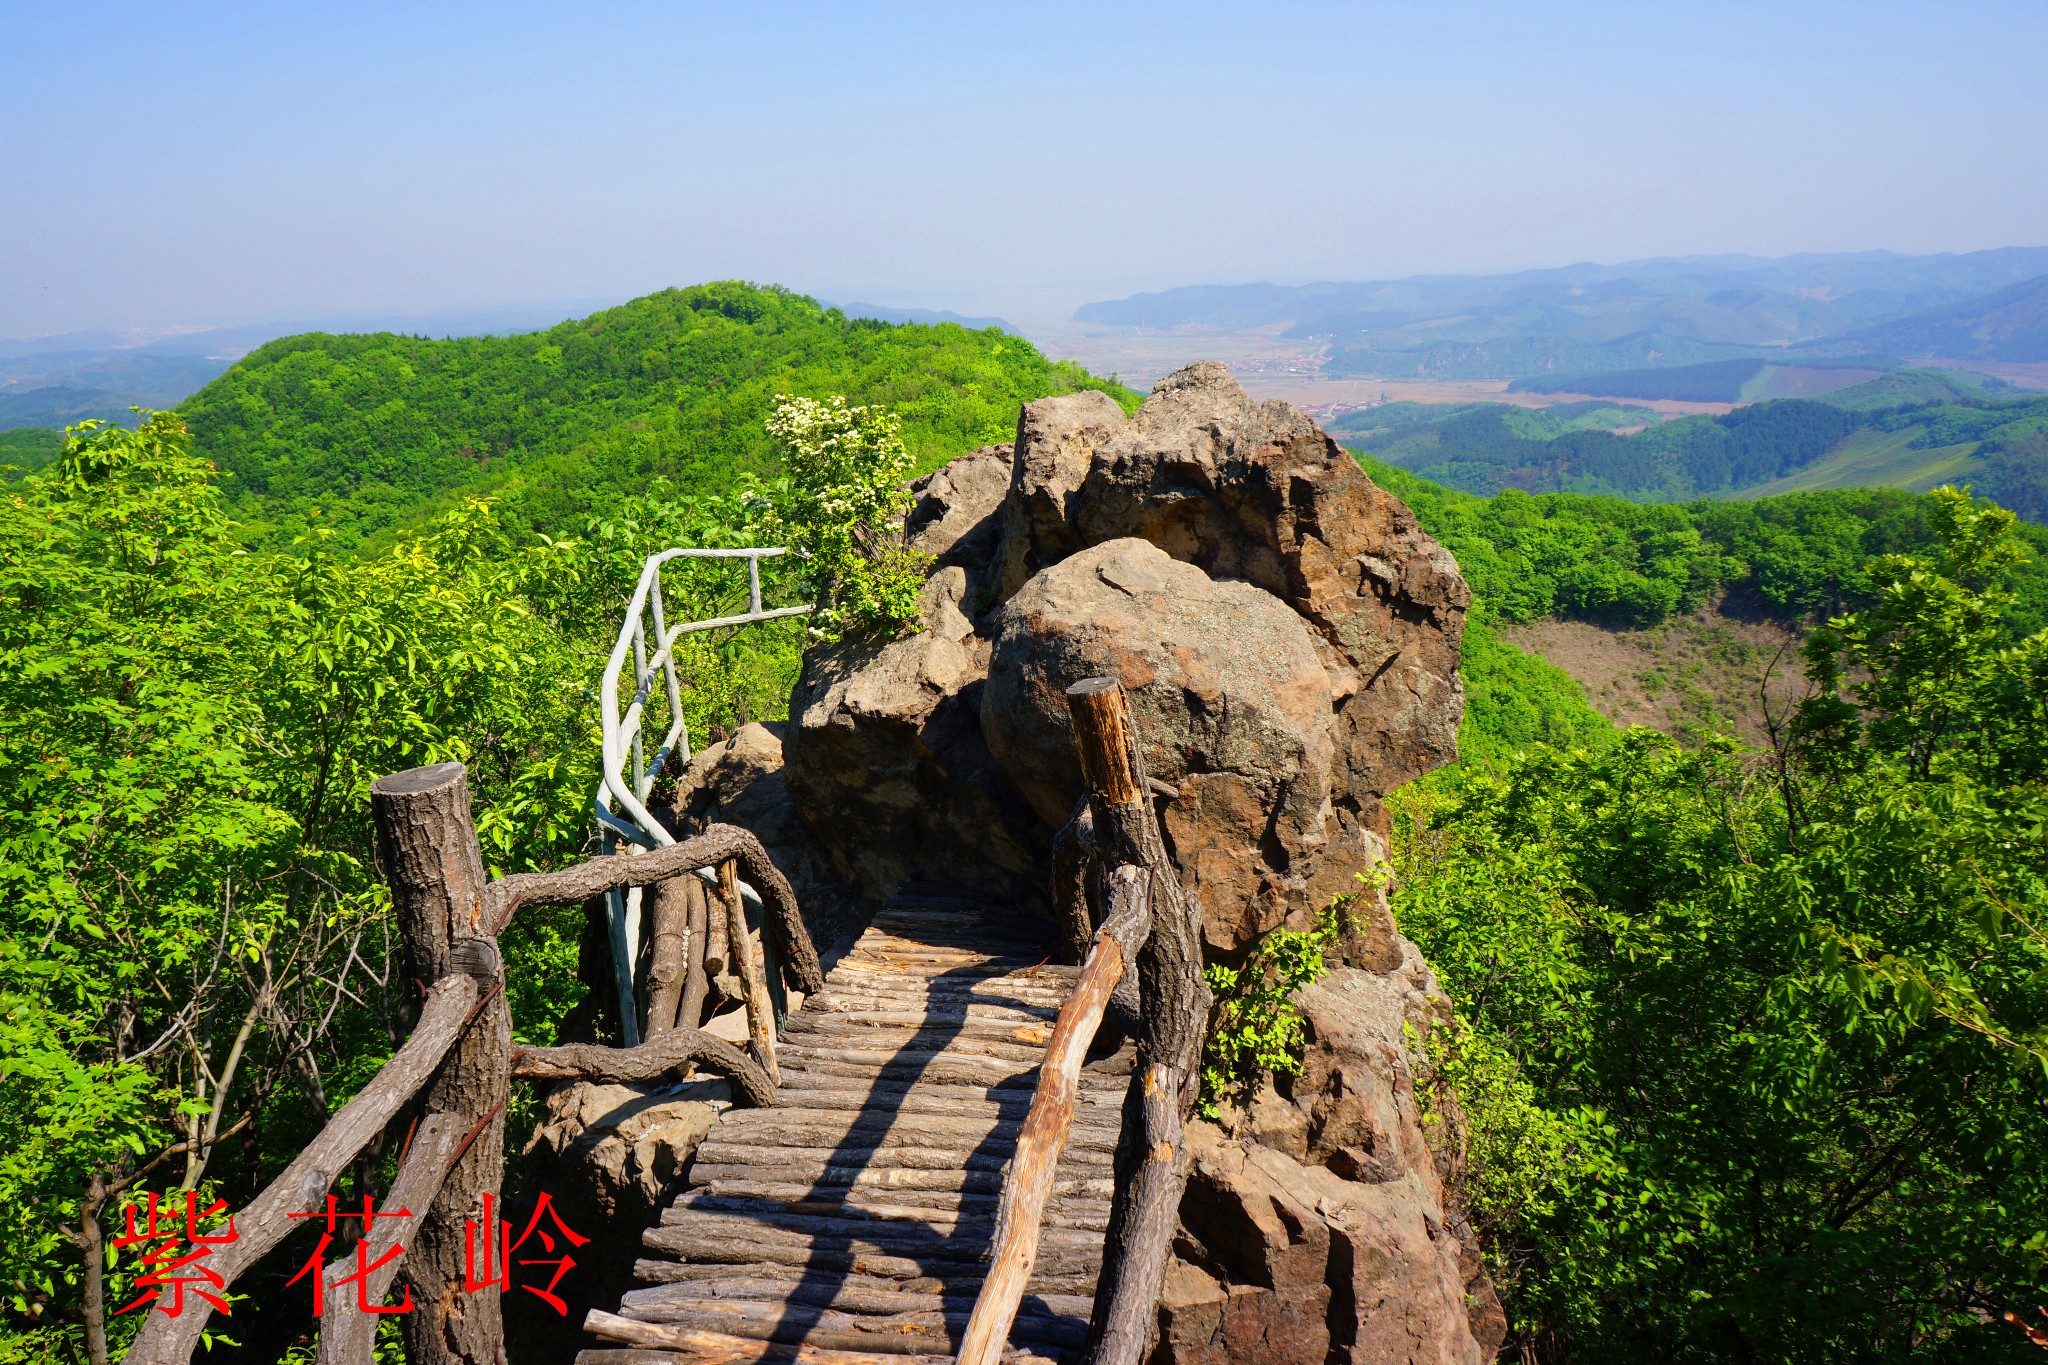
(1230,701)
(619,1150)
(1314,1223)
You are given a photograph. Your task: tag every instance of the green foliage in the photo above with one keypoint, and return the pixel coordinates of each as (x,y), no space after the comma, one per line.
(29,448)
(1796,558)
(195,940)
(368,434)
(1254,1028)
(1758,1050)
(839,505)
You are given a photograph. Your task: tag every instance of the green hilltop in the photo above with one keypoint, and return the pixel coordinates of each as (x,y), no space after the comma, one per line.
(364,435)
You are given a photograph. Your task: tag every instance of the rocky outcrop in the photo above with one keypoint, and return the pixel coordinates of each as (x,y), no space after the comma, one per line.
(1231,703)
(1255,491)
(1315,1223)
(1289,639)
(893,749)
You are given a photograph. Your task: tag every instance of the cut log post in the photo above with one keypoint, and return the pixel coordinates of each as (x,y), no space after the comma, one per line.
(1014,1247)
(1173,1003)
(347,1333)
(760,1010)
(302,1187)
(431,860)
(671,1051)
(668,971)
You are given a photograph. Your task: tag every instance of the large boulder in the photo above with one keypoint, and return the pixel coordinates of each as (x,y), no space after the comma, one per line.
(886,760)
(1230,700)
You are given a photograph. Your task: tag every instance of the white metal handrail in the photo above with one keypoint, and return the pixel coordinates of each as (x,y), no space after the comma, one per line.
(629,777)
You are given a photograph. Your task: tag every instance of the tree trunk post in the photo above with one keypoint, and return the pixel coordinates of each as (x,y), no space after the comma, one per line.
(760,1010)
(428,847)
(1174,1001)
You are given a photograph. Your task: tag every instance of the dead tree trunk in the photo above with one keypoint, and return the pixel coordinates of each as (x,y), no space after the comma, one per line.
(1174,1000)
(436,873)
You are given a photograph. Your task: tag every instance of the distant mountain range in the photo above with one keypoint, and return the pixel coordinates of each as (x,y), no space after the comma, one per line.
(1878,306)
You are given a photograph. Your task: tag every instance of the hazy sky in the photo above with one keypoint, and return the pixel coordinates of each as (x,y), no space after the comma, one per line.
(197,164)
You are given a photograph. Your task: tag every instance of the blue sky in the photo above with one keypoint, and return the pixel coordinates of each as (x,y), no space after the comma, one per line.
(192,164)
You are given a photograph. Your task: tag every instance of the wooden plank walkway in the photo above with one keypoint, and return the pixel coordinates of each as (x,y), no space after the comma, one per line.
(851,1220)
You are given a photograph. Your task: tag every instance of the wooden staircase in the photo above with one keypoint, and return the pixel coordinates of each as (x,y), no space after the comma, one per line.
(848,1225)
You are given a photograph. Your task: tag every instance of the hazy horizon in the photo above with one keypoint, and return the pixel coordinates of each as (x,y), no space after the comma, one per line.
(227,168)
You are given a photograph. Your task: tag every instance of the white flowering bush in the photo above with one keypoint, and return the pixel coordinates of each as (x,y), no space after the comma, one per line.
(839,505)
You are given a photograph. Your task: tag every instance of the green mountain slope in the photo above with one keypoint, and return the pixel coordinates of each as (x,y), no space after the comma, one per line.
(1871,458)
(364,434)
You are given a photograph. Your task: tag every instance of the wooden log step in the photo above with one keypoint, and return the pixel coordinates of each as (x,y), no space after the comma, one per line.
(896,1049)
(802,1161)
(931,1330)
(820,1175)
(923,1013)
(1059,1270)
(883,1203)
(942,1068)
(901,1025)
(1089,1216)
(1095,1128)
(662,1341)
(849,1293)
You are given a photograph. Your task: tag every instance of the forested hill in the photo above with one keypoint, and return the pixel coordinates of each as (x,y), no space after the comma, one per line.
(364,434)
(1907,430)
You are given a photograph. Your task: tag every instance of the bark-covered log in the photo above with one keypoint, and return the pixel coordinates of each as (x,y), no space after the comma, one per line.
(427,846)
(669,1052)
(697,982)
(303,1185)
(716,1348)
(347,1333)
(669,965)
(1173,1021)
(717,844)
(1021,1214)
(760,1010)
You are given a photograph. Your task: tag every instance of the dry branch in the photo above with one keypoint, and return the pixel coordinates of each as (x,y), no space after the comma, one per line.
(303,1185)
(760,1012)
(669,1052)
(717,844)
(347,1333)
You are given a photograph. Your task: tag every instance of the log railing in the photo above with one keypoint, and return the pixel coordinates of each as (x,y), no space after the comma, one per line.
(459,1064)
(1153,923)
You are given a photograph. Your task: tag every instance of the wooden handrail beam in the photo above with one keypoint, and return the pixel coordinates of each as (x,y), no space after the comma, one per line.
(717,844)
